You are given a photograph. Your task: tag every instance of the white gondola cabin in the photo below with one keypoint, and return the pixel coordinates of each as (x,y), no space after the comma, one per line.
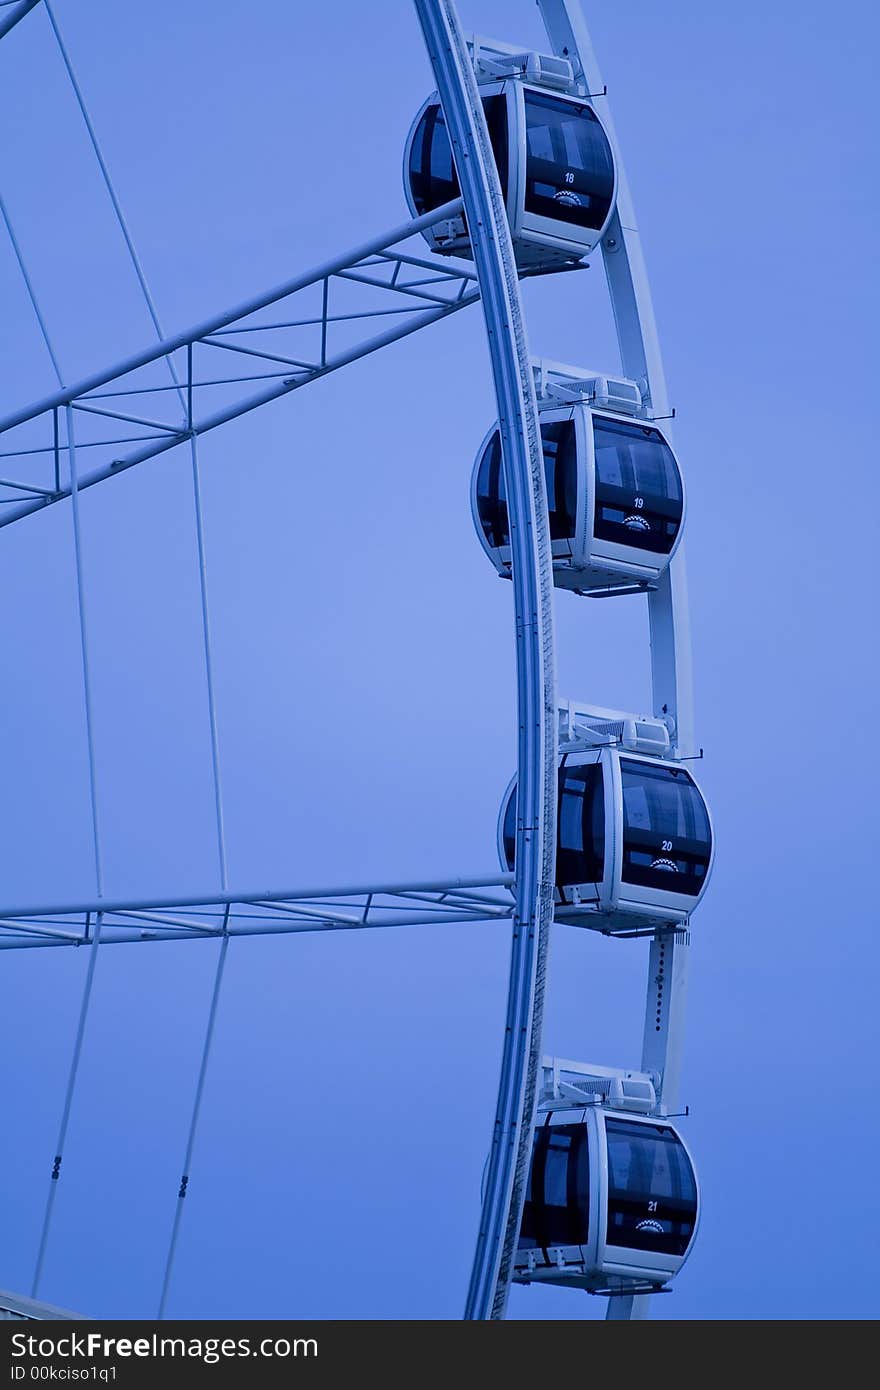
(553,157)
(634,835)
(614,487)
(612,1203)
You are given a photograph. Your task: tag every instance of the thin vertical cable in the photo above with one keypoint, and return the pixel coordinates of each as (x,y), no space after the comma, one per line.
(30,289)
(209,664)
(194,1118)
(99,870)
(84,651)
(93,787)
(221,851)
(108,183)
(186,406)
(68,1104)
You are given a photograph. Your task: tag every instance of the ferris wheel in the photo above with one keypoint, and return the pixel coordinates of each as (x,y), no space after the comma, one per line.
(512,171)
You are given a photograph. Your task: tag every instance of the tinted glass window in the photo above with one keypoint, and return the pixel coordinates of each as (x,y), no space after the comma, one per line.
(666,836)
(432,177)
(580,854)
(508,830)
(560,473)
(652,1193)
(580,829)
(569,169)
(638,486)
(556,1210)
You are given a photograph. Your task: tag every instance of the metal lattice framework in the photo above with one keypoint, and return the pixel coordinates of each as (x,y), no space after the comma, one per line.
(226,367)
(195,381)
(258,913)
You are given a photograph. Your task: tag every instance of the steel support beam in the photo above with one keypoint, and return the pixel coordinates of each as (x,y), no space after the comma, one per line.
(257,912)
(523,465)
(16,1308)
(381,270)
(375,259)
(67,395)
(668,606)
(642,361)
(663,1038)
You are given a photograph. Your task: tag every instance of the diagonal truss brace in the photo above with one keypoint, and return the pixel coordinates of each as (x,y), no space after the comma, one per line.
(259,912)
(12,12)
(230,364)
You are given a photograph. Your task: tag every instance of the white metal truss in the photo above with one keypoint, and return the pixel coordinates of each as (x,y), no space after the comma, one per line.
(257,912)
(227,366)
(14,1308)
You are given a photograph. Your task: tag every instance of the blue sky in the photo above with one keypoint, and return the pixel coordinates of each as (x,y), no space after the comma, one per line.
(365,668)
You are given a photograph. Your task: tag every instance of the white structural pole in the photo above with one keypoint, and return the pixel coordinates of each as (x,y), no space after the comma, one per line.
(663,1038)
(668,606)
(640,360)
(523,464)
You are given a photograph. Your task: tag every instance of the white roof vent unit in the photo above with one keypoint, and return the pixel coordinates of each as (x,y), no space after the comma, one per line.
(646,736)
(637,733)
(615,393)
(494,60)
(579,1083)
(632,1093)
(547,71)
(556,382)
